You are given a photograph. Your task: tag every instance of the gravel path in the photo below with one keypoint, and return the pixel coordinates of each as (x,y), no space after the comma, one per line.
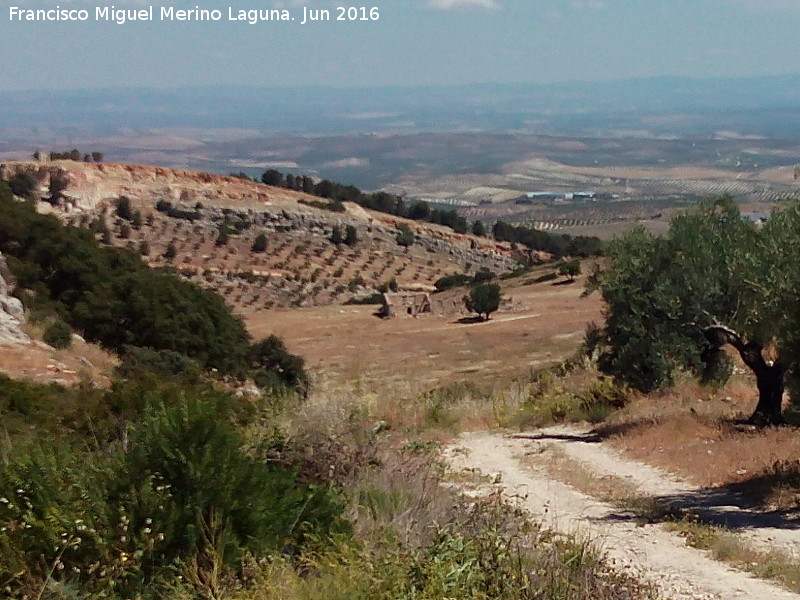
(763,530)
(680,572)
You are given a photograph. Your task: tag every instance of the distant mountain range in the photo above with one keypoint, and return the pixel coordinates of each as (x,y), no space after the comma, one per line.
(763,106)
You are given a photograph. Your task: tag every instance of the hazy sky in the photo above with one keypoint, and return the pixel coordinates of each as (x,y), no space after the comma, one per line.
(414,42)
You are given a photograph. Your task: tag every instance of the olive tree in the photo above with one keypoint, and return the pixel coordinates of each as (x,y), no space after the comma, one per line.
(715,279)
(483,299)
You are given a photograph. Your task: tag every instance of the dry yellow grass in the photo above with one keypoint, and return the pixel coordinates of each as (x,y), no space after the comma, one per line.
(348,343)
(693,433)
(40,363)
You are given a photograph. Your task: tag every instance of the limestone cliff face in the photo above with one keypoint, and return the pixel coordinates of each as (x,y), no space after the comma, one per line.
(87,185)
(12,315)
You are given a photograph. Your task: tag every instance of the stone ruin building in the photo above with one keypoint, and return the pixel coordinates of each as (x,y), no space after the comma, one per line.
(408,304)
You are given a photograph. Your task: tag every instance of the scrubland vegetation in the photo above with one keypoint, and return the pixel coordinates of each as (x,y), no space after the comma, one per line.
(177,488)
(211,467)
(182,481)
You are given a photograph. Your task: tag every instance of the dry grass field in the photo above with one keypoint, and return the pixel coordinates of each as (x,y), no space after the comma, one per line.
(544,323)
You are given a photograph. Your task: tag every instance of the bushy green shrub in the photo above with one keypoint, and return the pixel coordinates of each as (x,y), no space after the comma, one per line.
(113,297)
(166,363)
(118,511)
(260,243)
(554,399)
(191,453)
(405,237)
(452,281)
(274,366)
(58,334)
(482,276)
(366,300)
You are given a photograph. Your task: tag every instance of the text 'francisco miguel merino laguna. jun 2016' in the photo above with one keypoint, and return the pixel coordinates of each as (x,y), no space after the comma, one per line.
(121,16)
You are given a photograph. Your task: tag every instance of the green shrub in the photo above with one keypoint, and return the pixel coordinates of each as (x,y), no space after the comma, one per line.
(191,453)
(118,510)
(58,334)
(553,399)
(519,271)
(22,185)
(483,276)
(113,297)
(274,366)
(405,237)
(55,515)
(166,363)
(123,208)
(366,300)
(260,243)
(452,281)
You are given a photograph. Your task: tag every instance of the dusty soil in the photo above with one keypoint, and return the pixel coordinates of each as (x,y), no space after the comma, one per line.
(40,363)
(651,552)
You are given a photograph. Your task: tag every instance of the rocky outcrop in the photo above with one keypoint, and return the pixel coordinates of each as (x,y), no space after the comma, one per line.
(12,315)
(85,186)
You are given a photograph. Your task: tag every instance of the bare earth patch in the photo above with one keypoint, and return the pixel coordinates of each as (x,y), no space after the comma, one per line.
(694,434)
(39,363)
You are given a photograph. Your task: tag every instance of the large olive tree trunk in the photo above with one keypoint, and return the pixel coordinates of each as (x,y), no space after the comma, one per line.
(770,378)
(770,383)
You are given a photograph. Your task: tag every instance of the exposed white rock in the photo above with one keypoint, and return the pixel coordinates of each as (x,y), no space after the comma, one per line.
(12,315)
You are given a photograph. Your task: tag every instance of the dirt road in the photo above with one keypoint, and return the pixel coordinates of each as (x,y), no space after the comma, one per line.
(654,554)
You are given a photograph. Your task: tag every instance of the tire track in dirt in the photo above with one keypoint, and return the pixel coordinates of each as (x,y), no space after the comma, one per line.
(649,551)
(774,530)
